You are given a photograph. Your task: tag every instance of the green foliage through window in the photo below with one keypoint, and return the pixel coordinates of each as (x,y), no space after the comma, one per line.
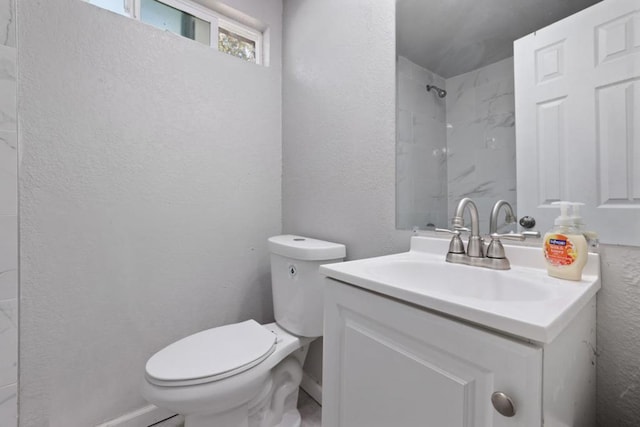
(236,45)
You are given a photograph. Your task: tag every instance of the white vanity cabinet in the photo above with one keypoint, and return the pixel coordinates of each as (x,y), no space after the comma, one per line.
(388,363)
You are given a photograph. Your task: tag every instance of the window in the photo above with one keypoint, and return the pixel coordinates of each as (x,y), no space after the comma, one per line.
(194,21)
(175,20)
(117,6)
(236,45)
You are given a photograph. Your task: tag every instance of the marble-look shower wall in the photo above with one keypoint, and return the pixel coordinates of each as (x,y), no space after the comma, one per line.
(421,168)
(8,218)
(481,140)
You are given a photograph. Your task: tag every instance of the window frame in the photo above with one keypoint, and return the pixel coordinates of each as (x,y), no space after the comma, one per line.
(216,20)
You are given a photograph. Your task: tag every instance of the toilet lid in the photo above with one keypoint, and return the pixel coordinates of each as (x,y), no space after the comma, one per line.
(212,354)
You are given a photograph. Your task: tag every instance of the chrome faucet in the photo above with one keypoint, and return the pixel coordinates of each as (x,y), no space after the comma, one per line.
(495,257)
(475,247)
(493,219)
(495,250)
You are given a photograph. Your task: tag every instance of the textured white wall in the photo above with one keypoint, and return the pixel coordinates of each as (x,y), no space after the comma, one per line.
(618,335)
(8,218)
(339,157)
(339,128)
(339,124)
(151,179)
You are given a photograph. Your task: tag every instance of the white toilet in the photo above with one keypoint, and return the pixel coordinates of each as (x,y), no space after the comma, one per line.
(247,374)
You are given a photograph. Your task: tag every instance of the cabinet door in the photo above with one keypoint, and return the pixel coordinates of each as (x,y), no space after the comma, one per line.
(390,364)
(577,85)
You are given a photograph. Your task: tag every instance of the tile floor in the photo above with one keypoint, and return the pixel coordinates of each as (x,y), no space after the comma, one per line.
(309,409)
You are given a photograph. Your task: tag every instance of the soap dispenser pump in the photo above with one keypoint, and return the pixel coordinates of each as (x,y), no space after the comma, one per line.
(565,247)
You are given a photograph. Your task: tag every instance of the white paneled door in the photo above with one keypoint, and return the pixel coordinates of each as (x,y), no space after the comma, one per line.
(577,86)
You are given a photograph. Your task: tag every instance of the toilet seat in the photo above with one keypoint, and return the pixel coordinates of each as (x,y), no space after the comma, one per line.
(211,355)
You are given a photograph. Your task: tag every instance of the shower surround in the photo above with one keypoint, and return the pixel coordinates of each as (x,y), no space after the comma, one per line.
(421,152)
(459,145)
(481,138)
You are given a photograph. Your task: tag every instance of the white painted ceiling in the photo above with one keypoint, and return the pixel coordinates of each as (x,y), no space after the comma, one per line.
(452,37)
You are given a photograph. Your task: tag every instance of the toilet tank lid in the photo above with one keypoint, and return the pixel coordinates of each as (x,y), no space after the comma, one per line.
(305,248)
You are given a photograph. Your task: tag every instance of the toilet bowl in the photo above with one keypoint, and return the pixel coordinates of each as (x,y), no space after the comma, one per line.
(246,374)
(229,399)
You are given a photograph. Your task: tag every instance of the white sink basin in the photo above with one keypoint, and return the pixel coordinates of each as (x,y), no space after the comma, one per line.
(453,280)
(523,301)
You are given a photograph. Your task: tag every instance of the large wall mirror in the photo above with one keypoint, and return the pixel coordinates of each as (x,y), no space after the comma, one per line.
(455,105)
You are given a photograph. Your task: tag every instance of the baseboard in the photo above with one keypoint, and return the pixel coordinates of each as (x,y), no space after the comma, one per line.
(151,414)
(142,417)
(312,387)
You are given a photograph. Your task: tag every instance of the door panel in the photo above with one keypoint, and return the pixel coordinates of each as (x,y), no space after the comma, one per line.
(578,119)
(388,363)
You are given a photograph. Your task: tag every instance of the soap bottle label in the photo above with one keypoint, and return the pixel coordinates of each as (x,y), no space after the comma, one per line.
(559,250)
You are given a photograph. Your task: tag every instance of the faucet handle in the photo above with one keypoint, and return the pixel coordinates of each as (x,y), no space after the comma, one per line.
(530,234)
(515,236)
(455,246)
(496,250)
(446,230)
(456,230)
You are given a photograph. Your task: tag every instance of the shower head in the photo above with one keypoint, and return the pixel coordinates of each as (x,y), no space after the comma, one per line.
(441,92)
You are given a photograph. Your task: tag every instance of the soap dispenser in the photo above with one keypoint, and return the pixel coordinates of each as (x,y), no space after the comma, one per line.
(565,247)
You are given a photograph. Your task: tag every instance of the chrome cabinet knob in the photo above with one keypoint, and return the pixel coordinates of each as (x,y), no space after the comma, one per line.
(503,404)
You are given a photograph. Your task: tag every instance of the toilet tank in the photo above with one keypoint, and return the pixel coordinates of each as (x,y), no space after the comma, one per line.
(297,286)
